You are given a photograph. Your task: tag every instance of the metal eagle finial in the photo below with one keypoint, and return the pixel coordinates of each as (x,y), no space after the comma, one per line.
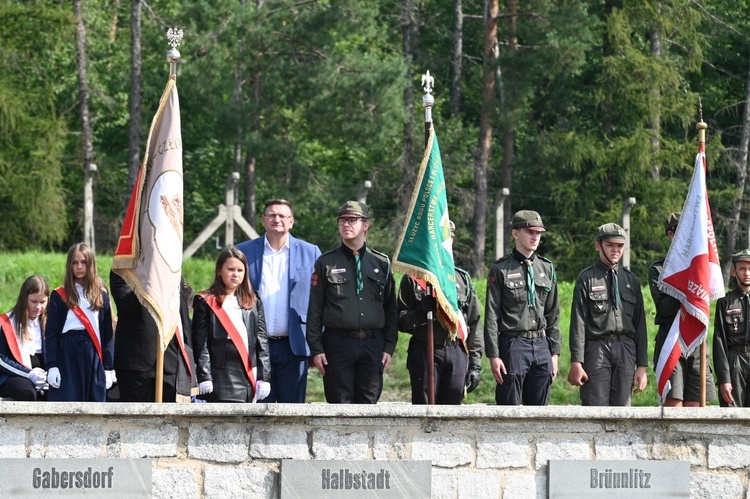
(174,35)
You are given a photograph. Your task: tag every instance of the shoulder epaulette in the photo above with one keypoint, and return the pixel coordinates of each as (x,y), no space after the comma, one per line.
(467,277)
(505,256)
(552,266)
(328,252)
(383,256)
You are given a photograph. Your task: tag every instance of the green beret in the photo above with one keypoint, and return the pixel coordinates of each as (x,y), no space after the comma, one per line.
(672,220)
(610,231)
(355,208)
(527,218)
(741,255)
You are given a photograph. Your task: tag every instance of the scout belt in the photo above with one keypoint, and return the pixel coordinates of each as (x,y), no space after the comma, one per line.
(356,333)
(531,335)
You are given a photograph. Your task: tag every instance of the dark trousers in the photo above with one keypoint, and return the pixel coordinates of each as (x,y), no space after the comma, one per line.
(140,386)
(354,374)
(739,373)
(81,370)
(528,363)
(289,373)
(610,365)
(451,365)
(18,388)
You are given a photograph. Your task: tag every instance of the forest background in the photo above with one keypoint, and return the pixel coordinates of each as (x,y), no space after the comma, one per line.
(574,106)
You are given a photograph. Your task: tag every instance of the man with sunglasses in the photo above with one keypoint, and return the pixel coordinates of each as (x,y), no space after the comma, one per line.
(352,319)
(279,267)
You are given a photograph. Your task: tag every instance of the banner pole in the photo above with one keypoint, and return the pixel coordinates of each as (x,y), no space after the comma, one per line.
(427,102)
(702,126)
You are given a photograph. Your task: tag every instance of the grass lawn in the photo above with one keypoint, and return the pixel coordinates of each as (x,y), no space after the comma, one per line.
(16,267)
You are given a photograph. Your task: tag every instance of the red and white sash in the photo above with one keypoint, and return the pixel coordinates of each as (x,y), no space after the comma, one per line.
(234,335)
(85,321)
(12,339)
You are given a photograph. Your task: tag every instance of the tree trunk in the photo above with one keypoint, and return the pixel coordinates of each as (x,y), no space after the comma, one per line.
(509,129)
(484,146)
(741,164)
(249,211)
(457,63)
(409,175)
(136,97)
(86,133)
(655,118)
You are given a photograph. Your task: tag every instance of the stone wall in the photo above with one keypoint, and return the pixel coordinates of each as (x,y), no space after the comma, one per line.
(222,450)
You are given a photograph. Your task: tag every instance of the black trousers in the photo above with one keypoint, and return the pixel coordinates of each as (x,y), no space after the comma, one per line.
(140,386)
(354,374)
(18,388)
(451,365)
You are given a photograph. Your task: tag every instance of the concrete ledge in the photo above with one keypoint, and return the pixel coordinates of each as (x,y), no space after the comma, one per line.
(382,410)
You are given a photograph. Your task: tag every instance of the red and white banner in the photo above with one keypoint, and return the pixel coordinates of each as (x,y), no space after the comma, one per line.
(691,274)
(149,251)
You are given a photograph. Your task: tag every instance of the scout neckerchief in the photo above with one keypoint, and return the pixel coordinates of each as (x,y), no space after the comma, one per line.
(461,333)
(11,338)
(85,321)
(234,335)
(530,286)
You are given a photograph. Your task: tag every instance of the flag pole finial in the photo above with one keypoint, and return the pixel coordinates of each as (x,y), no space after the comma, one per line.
(174,35)
(428,82)
(701,125)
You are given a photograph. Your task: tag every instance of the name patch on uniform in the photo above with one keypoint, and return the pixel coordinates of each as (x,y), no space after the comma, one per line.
(337,271)
(598,288)
(734,311)
(514,276)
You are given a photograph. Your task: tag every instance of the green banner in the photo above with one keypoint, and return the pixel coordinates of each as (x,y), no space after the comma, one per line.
(423,250)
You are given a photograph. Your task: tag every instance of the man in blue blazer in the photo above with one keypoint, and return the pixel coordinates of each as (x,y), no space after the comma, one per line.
(280,267)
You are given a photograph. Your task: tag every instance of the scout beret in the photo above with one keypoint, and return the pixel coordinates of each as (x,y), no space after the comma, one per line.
(527,218)
(355,208)
(610,231)
(672,220)
(741,255)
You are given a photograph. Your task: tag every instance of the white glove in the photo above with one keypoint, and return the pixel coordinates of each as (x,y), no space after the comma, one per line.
(206,387)
(53,377)
(111,378)
(262,389)
(38,376)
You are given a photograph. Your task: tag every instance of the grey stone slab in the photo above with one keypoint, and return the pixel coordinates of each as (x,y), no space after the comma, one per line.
(175,482)
(333,444)
(503,451)
(525,486)
(618,479)
(355,479)
(223,443)
(239,482)
(279,442)
(71,478)
(444,451)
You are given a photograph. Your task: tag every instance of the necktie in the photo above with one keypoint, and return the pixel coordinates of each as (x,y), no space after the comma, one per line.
(358,263)
(747,318)
(615,288)
(530,289)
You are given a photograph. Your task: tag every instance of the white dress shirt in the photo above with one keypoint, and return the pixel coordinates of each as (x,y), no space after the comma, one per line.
(274,288)
(72,322)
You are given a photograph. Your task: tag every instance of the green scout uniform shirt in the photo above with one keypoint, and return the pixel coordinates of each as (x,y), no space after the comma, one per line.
(729,330)
(594,315)
(410,294)
(507,309)
(334,301)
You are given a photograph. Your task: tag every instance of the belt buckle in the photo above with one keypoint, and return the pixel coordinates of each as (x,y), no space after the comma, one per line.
(360,334)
